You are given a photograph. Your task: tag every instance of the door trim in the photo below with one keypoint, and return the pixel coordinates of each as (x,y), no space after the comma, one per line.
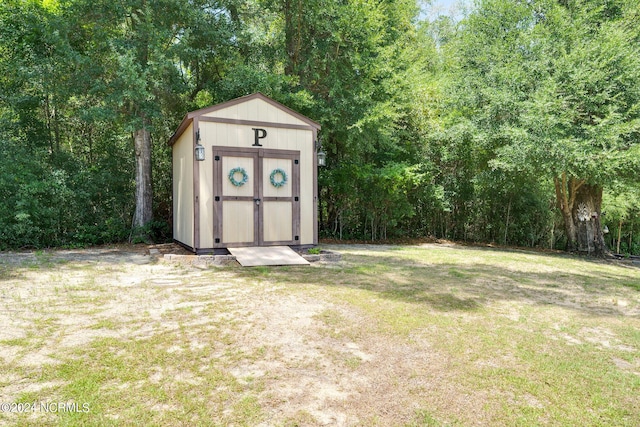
(218,194)
(258,154)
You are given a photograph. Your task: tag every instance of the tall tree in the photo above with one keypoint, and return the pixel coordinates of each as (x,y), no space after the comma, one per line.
(84,89)
(552,87)
(149,54)
(355,65)
(134,55)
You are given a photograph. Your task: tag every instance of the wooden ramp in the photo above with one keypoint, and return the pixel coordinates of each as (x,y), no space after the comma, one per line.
(267,255)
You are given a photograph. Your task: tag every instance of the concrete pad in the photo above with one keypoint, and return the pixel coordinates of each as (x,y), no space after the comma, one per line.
(267,255)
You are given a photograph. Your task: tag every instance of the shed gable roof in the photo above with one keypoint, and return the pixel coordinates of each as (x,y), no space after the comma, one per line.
(219,110)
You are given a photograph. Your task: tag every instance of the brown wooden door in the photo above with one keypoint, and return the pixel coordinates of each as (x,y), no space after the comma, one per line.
(256,197)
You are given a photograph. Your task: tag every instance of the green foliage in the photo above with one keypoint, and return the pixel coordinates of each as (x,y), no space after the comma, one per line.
(49,207)
(443,128)
(622,219)
(543,89)
(372,202)
(153,231)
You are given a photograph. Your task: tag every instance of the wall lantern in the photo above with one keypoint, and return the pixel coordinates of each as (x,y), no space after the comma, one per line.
(322,156)
(199,148)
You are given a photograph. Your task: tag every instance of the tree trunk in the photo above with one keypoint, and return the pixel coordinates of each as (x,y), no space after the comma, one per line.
(580,204)
(293,11)
(619,236)
(586,214)
(506,225)
(144,187)
(565,199)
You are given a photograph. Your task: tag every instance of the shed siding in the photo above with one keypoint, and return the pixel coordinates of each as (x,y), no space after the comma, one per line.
(231,135)
(183,225)
(256,110)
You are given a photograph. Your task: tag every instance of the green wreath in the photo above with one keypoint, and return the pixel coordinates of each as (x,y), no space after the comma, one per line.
(280,183)
(232,176)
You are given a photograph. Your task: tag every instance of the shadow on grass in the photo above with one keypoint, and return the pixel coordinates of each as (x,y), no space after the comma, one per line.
(468,285)
(438,301)
(443,278)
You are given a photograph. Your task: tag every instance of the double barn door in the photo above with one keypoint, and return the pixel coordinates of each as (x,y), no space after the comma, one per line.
(256,197)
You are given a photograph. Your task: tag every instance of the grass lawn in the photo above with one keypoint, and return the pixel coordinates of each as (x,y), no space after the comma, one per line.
(391,336)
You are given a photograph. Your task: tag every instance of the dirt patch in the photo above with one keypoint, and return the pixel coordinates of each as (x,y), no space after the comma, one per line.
(61,301)
(306,354)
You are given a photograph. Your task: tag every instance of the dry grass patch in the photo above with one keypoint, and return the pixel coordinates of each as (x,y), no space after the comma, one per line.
(405,336)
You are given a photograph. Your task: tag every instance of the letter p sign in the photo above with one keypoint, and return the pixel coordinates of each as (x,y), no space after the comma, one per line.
(259,134)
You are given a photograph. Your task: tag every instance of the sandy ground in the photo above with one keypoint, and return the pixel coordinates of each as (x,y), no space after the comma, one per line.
(307,368)
(311,350)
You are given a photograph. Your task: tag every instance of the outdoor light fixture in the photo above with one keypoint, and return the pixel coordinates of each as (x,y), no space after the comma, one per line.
(322,159)
(322,156)
(199,148)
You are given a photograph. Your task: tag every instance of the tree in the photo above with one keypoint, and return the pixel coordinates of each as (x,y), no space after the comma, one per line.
(85,87)
(551,87)
(355,67)
(622,205)
(145,56)
(125,40)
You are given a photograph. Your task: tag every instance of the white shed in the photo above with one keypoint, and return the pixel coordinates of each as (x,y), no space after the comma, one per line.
(257,182)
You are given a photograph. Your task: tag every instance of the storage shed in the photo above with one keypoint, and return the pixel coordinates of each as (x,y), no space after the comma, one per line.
(245,174)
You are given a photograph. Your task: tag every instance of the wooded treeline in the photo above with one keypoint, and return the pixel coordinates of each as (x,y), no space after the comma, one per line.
(518,123)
